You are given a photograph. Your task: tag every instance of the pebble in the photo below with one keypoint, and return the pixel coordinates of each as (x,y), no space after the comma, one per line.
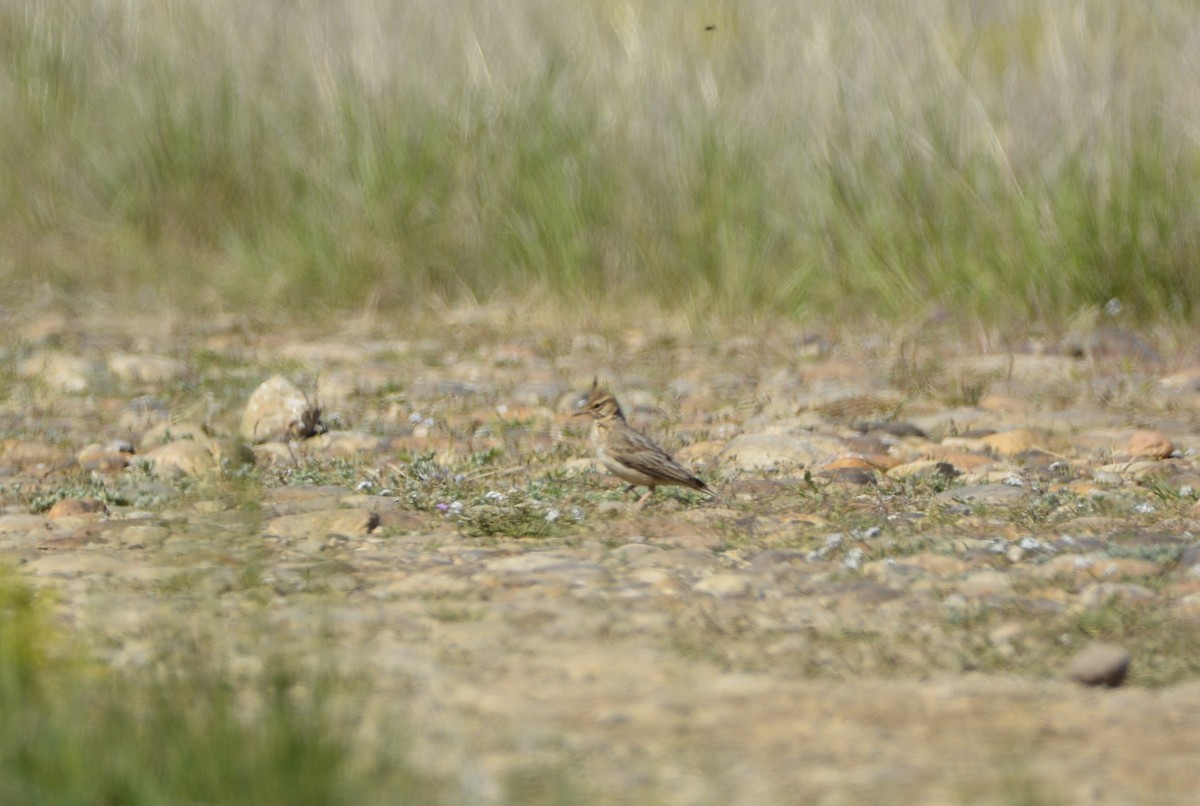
(1100,664)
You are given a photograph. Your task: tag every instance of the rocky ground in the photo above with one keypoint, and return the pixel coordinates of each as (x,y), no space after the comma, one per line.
(920,537)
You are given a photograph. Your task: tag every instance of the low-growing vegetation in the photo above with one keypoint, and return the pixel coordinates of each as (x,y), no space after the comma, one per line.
(184,726)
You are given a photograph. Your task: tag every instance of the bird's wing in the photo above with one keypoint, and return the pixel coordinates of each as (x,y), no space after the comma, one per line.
(639,452)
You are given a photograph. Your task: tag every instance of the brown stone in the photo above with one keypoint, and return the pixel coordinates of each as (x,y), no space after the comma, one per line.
(1151,444)
(1011,443)
(77,506)
(183,458)
(1100,664)
(321,523)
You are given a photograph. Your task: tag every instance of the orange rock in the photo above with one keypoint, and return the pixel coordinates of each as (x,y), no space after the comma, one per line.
(1153,444)
(1011,443)
(76,506)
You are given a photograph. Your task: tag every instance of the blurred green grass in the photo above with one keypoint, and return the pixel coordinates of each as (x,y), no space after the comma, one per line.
(183,728)
(1012,161)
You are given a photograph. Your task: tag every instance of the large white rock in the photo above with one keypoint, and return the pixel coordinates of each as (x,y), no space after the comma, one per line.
(279,411)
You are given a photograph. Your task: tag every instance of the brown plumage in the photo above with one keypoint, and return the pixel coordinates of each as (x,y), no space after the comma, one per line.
(629,454)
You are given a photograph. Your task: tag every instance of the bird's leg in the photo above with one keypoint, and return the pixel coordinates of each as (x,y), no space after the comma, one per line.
(642,501)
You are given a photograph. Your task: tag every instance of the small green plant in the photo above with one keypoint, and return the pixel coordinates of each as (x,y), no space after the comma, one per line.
(455,611)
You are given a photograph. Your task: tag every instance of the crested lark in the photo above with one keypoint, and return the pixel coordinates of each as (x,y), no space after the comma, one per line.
(629,454)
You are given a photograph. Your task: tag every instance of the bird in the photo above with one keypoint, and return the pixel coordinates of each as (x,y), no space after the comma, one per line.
(629,454)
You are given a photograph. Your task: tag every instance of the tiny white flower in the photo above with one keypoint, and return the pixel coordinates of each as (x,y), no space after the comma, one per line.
(552,515)
(456,507)
(414,418)
(493,495)
(1143,508)
(1084,562)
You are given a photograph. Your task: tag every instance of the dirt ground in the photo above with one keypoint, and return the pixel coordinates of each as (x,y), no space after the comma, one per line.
(918,535)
